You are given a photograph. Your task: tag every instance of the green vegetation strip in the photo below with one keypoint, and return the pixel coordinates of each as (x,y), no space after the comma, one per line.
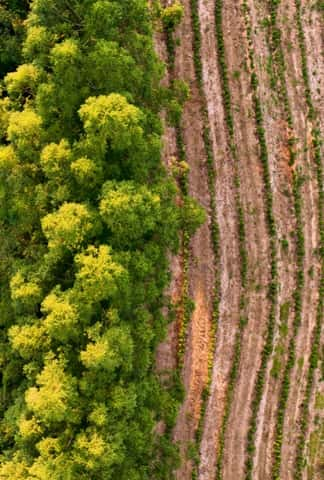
(273,287)
(315,351)
(185,307)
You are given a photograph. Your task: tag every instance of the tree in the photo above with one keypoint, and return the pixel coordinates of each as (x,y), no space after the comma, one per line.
(11,22)
(98,275)
(131,211)
(111,118)
(87,218)
(55,398)
(70,226)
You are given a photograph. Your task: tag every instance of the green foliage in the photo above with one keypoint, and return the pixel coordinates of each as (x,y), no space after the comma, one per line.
(130,211)
(12,14)
(54,399)
(172,15)
(88,217)
(70,227)
(22,82)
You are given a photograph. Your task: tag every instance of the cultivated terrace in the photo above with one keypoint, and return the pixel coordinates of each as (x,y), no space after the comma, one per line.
(161,239)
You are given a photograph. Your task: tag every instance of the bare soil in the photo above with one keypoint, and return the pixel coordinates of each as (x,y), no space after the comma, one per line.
(201,274)
(310,300)
(229,245)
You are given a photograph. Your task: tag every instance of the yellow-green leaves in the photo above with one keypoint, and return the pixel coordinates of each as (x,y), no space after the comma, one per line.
(172,15)
(29,428)
(37,43)
(70,226)
(64,55)
(129,210)
(15,469)
(55,396)
(24,131)
(98,274)
(28,339)
(23,81)
(55,159)
(8,159)
(25,291)
(86,172)
(113,349)
(93,453)
(112,118)
(62,317)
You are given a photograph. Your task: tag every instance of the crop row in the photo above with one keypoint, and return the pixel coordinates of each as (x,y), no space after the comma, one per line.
(170,43)
(214,224)
(285,385)
(185,307)
(314,355)
(273,287)
(227,102)
(278,62)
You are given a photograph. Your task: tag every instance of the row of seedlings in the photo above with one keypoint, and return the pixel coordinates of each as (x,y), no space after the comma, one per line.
(214,224)
(315,351)
(227,101)
(273,286)
(280,86)
(171,17)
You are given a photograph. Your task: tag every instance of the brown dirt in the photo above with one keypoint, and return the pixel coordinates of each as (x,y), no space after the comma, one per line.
(310,209)
(257,245)
(201,273)
(229,248)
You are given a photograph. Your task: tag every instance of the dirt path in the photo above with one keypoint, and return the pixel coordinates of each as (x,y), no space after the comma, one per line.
(201,273)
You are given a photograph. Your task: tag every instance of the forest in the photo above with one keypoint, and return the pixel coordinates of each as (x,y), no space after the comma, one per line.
(161,239)
(88,215)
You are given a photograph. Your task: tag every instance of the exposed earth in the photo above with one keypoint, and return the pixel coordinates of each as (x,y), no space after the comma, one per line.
(218,403)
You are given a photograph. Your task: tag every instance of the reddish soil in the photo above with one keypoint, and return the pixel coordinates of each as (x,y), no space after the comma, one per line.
(201,273)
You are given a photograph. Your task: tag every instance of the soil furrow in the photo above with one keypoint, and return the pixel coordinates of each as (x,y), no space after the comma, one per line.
(248,343)
(267,430)
(201,274)
(262,123)
(229,308)
(302,416)
(298,375)
(276,135)
(313,27)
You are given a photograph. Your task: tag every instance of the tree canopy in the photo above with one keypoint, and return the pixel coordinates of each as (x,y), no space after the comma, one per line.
(87,217)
